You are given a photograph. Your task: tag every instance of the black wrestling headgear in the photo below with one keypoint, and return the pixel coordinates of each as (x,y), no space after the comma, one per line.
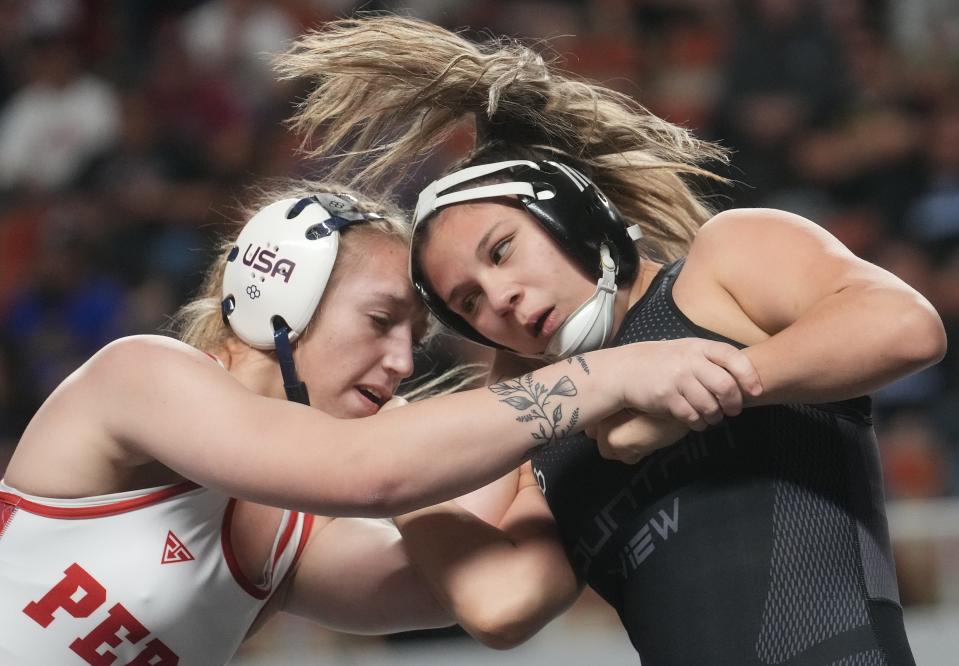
(575,213)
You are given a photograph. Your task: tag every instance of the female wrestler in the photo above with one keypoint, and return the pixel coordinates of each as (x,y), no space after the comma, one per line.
(571,226)
(136,516)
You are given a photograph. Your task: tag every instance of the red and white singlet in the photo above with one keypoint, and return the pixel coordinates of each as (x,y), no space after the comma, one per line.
(142,577)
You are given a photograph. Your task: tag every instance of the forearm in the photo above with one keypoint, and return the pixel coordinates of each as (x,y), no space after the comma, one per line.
(428,452)
(847,345)
(285,454)
(500,586)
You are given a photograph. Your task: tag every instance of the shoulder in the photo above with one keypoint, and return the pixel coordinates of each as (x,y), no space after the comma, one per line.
(78,427)
(139,353)
(754,226)
(735,238)
(144,365)
(152,344)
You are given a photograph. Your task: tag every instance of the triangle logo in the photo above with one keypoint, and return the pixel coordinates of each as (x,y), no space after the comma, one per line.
(175,551)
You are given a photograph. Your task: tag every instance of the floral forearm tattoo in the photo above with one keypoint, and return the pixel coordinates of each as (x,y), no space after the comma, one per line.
(579,358)
(534,399)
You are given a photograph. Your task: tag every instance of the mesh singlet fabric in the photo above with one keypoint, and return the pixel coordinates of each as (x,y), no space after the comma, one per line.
(762,540)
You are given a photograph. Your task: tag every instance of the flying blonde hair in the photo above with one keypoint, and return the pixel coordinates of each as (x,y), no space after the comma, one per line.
(388,90)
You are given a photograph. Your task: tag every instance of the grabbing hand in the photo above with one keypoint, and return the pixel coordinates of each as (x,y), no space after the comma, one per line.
(629,436)
(694,381)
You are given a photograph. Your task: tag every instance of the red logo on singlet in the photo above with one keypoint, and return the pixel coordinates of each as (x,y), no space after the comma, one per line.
(80,595)
(6,513)
(175,551)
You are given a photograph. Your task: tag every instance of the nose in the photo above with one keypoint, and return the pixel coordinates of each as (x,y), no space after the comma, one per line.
(505,297)
(398,358)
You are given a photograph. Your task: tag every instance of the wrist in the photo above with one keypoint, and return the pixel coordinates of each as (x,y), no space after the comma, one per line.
(596,367)
(757,356)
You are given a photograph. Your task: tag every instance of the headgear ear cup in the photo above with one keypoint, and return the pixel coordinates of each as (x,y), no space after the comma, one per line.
(281,264)
(278,269)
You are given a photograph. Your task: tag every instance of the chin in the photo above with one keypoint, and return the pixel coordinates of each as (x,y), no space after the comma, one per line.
(534,348)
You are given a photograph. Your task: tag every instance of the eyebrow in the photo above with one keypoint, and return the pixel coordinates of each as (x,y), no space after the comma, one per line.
(393,299)
(480,251)
(484,241)
(413,305)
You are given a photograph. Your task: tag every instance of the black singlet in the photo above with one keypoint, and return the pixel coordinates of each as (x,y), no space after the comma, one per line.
(762,540)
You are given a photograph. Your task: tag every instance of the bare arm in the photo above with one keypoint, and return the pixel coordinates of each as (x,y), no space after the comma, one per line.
(822,324)
(837,326)
(503,582)
(493,558)
(354,576)
(163,400)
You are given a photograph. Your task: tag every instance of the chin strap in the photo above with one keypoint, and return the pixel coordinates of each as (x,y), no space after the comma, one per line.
(295,389)
(591,325)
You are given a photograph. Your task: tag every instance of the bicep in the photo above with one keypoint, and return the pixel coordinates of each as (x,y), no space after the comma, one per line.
(777,266)
(170,403)
(530,522)
(529,512)
(491,502)
(354,576)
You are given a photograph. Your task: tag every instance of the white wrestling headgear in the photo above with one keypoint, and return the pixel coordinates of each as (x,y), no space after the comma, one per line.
(281,263)
(278,269)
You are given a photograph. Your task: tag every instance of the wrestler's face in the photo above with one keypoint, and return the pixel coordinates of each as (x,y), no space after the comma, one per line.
(497,268)
(360,344)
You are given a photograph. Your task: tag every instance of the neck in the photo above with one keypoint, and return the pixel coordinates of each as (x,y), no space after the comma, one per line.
(630,294)
(256,369)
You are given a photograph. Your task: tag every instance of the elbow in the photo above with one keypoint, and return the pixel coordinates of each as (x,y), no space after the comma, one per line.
(503,626)
(514,614)
(387,492)
(922,341)
(501,640)
(374,492)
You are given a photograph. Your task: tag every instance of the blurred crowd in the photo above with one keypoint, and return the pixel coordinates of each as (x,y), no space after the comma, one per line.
(130,131)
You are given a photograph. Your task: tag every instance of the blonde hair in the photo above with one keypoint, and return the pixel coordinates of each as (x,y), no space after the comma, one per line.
(392,89)
(200,323)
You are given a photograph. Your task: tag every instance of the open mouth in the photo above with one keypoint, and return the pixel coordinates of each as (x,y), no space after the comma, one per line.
(372,395)
(541,322)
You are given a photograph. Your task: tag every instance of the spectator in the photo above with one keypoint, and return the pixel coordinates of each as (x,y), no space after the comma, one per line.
(59,120)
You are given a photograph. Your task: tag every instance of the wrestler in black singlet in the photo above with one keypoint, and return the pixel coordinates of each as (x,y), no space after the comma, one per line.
(762,540)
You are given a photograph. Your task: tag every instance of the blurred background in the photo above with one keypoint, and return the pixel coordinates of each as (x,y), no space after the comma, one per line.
(130,130)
